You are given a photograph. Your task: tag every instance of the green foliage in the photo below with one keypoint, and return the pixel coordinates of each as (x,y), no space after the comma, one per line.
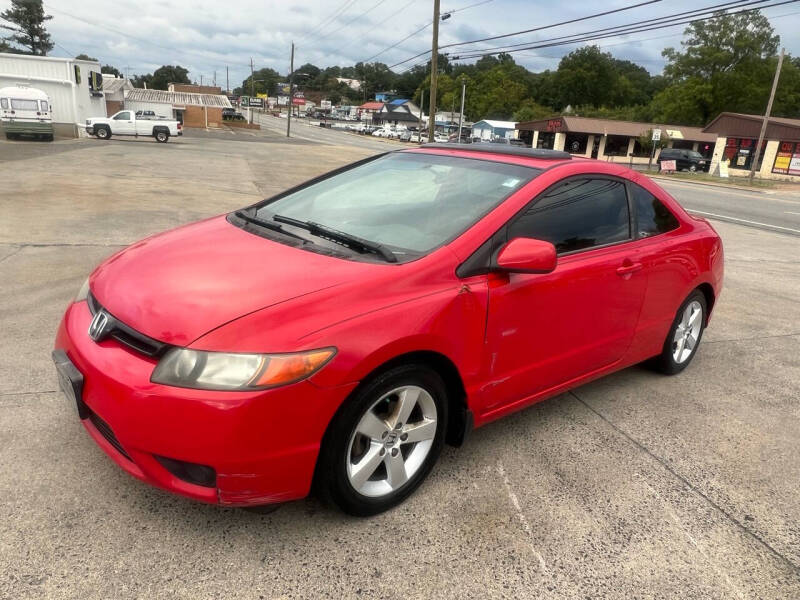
(530,111)
(263,81)
(646,140)
(84,57)
(162,77)
(26,21)
(109,70)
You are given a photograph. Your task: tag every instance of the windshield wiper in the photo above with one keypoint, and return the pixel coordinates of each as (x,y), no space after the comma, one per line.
(334,235)
(267,225)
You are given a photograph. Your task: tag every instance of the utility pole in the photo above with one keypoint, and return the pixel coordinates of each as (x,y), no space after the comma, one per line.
(434,71)
(461,116)
(755,164)
(252,89)
(215,78)
(201,80)
(419,116)
(291,92)
(227,80)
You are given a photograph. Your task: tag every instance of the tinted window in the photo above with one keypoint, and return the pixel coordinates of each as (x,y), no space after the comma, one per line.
(123,116)
(19,104)
(580,213)
(652,217)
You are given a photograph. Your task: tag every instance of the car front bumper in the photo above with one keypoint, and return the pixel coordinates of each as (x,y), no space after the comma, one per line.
(262,445)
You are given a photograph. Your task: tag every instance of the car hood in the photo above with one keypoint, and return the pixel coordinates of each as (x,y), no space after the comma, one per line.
(179,285)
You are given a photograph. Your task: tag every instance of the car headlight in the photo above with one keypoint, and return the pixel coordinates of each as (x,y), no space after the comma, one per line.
(83,293)
(182,367)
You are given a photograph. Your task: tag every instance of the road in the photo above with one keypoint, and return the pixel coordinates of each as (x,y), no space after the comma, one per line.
(773,211)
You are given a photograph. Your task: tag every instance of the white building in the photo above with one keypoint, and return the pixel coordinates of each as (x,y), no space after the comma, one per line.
(489,129)
(75,87)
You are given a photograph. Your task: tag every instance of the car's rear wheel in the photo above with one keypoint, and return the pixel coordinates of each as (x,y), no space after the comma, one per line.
(384,441)
(684,336)
(162,136)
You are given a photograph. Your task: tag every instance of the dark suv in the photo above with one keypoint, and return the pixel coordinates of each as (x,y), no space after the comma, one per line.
(688,160)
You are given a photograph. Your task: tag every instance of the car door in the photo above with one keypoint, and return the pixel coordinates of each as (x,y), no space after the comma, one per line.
(544,330)
(123,123)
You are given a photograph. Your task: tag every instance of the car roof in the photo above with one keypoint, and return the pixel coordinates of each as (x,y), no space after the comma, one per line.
(538,158)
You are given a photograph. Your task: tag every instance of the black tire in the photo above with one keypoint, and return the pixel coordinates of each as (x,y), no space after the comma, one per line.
(332,482)
(161,136)
(693,169)
(102,133)
(665,362)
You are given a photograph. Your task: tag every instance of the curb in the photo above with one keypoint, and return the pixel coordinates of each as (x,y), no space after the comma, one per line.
(717,185)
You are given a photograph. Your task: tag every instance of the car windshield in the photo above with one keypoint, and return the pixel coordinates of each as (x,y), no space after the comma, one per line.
(408,202)
(693,154)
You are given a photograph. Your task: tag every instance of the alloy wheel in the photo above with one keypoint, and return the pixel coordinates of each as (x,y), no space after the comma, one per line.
(391,441)
(687,332)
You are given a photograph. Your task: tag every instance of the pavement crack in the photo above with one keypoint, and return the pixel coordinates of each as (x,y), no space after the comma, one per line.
(58,245)
(10,394)
(795,568)
(521,516)
(12,253)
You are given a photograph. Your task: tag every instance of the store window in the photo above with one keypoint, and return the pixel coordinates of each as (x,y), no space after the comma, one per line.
(787,161)
(546,140)
(576,143)
(616,145)
(740,152)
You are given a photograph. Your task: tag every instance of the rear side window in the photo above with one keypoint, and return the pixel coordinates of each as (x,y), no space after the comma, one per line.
(20,104)
(45,106)
(652,217)
(4,102)
(578,214)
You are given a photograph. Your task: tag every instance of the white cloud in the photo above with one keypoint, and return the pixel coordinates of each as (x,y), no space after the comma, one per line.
(207,35)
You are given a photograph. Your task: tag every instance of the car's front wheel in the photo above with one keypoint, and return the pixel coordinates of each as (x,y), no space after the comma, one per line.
(684,336)
(102,133)
(384,441)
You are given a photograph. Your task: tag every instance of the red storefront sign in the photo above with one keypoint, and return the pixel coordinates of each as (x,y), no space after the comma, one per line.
(787,161)
(555,124)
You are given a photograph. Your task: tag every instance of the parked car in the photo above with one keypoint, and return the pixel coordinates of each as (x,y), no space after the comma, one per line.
(379,326)
(440,138)
(230,114)
(25,111)
(126,122)
(385,132)
(405,135)
(146,114)
(685,160)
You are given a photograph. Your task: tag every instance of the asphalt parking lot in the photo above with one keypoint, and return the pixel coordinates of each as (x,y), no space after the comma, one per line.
(634,486)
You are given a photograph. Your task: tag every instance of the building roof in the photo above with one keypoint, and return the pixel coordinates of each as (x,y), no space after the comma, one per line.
(568,123)
(178,98)
(113,84)
(497,124)
(371,106)
(730,124)
(398,101)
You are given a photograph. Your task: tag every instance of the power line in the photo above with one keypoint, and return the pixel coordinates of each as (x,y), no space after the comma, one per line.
(594,16)
(329,19)
(397,12)
(350,22)
(655,20)
(617,34)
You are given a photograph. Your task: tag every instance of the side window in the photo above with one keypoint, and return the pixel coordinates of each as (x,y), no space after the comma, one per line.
(123,116)
(44,105)
(4,102)
(652,217)
(578,214)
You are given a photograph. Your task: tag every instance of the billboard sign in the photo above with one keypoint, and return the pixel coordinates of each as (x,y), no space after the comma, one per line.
(325,104)
(283,88)
(256,102)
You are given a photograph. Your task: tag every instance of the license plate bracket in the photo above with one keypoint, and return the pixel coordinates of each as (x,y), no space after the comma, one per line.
(70,379)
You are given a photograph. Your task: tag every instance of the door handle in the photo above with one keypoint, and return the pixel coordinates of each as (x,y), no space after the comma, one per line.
(629,268)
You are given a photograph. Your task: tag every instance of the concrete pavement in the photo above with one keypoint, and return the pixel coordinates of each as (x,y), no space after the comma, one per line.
(636,485)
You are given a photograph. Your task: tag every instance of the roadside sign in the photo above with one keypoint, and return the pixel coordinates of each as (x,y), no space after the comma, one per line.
(256,102)
(723,168)
(656,135)
(325,105)
(668,165)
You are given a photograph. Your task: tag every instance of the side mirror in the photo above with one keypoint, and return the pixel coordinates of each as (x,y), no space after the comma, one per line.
(526,255)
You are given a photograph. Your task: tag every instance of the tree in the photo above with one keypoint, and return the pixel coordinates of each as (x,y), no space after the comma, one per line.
(646,140)
(265,82)
(4,47)
(27,18)
(109,70)
(585,76)
(167,74)
(531,111)
(84,57)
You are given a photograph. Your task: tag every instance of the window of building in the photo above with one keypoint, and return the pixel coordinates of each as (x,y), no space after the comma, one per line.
(638,150)
(578,214)
(576,143)
(787,161)
(616,145)
(547,140)
(740,152)
(652,217)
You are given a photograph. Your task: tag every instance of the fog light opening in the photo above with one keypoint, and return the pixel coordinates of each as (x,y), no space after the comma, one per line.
(189,472)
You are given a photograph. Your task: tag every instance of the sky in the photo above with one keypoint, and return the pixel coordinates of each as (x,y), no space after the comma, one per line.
(206,36)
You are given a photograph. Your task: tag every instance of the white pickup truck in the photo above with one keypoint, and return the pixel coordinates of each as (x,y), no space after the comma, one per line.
(125,122)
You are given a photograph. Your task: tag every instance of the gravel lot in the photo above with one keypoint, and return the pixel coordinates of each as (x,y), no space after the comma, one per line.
(637,485)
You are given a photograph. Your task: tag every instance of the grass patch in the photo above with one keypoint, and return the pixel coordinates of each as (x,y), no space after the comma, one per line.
(706,178)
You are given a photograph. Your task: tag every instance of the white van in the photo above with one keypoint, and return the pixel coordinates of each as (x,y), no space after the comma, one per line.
(25,111)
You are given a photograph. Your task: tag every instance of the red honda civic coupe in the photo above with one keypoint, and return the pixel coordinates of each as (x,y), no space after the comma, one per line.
(339,333)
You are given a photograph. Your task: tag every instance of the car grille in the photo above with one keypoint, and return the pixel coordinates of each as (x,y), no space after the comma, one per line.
(128,336)
(107,433)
